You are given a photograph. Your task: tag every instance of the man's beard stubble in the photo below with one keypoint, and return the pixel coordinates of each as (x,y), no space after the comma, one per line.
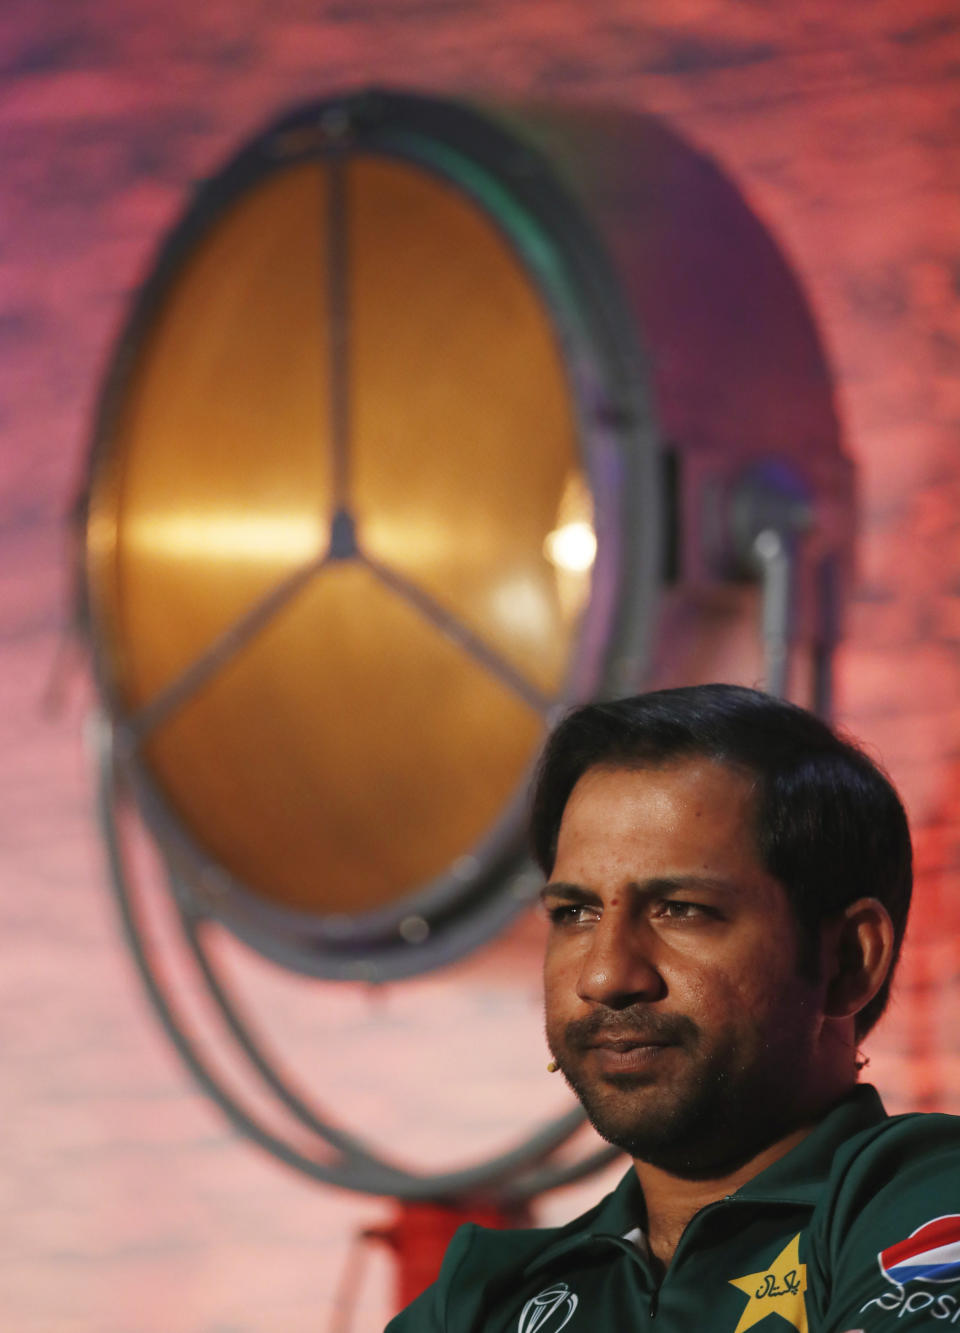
(693,1125)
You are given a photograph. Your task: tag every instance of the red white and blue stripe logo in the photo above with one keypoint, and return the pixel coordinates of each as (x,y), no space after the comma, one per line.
(932,1252)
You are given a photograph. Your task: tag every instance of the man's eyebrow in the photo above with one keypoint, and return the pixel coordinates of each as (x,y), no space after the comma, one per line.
(574,893)
(659,885)
(673,883)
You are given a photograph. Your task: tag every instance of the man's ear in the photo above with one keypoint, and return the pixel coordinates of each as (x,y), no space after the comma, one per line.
(860,947)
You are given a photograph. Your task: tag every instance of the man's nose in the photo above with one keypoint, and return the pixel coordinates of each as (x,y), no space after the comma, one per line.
(619,968)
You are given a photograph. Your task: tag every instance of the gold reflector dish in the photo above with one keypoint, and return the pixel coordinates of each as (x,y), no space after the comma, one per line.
(340,529)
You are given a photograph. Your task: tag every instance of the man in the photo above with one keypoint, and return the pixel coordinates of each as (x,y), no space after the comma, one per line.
(727,889)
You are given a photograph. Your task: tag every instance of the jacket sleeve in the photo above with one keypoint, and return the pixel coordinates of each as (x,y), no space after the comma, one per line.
(886,1245)
(429,1313)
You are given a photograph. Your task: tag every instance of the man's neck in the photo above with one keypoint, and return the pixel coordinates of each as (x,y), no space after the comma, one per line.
(673,1200)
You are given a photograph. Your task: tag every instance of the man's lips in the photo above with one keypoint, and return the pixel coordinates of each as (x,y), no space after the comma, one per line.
(631,1043)
(626,1055)
(625,1043)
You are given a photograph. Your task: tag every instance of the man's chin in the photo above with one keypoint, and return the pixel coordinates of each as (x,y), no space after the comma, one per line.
(687,1132)
(649,1121)
(630,1111)
(658,1140)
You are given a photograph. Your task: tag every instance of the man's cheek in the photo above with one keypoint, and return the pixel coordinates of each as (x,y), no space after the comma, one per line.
(561,971)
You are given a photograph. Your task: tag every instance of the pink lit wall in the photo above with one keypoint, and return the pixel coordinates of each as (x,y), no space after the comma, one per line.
(127,1205)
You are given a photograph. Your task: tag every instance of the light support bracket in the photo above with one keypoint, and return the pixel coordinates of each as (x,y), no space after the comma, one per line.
(771,511)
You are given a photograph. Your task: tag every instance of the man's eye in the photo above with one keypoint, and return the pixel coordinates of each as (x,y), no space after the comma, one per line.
(677,909)
(568,914)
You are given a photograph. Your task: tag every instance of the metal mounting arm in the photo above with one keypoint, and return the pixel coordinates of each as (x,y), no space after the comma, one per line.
(770,513)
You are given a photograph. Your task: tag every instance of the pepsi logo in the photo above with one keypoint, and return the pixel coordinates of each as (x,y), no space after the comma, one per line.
(932,1252)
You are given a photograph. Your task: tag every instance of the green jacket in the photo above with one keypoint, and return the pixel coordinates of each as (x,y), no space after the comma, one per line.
(858,1228)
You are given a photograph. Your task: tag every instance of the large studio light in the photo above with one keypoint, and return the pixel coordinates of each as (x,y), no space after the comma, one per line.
(374,495)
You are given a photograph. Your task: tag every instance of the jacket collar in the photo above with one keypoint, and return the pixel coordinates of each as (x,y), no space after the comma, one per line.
(797,1178)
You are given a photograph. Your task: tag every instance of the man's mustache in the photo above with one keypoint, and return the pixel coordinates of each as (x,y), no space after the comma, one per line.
(636,1025)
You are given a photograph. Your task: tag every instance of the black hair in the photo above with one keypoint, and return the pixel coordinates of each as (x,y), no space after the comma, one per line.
(829,823)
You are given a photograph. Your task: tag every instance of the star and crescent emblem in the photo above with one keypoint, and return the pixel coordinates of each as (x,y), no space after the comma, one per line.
(777,1289)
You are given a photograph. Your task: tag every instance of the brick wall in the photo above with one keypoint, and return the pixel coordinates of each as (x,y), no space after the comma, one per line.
(129,1207)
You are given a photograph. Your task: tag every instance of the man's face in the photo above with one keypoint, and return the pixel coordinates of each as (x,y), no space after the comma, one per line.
(674,1002)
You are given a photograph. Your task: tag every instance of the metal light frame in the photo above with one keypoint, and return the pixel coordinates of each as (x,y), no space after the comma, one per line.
(517,191)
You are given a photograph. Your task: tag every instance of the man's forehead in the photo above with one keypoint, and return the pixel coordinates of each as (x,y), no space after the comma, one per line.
(696,798)
(697,773)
